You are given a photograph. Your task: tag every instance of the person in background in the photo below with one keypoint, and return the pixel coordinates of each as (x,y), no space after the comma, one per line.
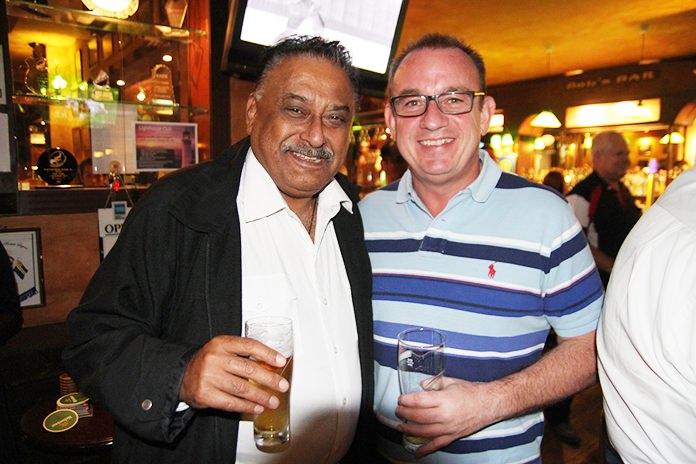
(87,177)
(263,229)
(602,203)
(645,340)
(392,162)
(558,415)
(491,259)
(10,323)
(555,180)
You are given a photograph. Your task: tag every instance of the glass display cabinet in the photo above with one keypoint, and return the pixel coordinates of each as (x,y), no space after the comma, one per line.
(94,99)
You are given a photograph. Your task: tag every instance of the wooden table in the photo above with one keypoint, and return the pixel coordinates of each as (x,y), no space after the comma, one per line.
(89,434)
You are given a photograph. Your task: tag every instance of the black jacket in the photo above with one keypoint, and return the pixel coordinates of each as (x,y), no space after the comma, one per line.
(613,221)
(171,283)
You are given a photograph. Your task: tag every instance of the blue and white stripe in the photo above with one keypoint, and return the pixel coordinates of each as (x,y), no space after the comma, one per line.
(503,263)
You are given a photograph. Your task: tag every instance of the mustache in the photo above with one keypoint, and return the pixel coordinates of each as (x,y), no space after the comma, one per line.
(321,152)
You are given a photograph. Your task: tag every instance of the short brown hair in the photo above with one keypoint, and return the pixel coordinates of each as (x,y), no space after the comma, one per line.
(439,41)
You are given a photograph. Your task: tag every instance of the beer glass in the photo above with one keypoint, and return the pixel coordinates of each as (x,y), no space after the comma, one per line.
(421,366)
(272,426)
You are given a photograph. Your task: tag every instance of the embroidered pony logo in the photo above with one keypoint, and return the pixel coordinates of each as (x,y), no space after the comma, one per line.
(491,271)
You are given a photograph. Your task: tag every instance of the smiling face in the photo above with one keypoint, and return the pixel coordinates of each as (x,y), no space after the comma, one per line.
(441,150)
(299,121)
(610,156)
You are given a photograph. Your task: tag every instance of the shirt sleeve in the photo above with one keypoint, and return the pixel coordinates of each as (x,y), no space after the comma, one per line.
(581,209)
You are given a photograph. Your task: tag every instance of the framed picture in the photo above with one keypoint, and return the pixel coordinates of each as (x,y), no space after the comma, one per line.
(24,249)
(165,146)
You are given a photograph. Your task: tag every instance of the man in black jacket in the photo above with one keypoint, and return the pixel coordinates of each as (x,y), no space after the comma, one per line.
(265,228)
(603,204)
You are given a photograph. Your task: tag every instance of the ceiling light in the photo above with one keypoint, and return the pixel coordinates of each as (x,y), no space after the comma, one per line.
(120,9)
(643,60)
(546,119)
(548,139)
(167,58)
(573,72)
(674,137)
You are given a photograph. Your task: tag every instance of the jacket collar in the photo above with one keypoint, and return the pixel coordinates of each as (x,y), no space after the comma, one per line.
(208,199)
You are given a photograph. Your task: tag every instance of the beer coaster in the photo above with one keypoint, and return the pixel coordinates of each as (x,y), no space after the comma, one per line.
(60,420)
(67,386)
(72,400)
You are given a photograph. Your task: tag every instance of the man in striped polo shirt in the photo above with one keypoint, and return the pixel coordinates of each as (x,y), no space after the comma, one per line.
(491,259)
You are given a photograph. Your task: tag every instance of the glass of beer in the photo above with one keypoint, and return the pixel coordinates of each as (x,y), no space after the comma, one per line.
(272,426)
(421,366)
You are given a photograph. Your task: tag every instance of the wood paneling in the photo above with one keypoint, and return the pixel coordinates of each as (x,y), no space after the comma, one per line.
(70,248)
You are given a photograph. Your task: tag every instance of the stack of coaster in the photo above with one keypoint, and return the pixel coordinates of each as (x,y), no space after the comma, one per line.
(67,384)
(70,407)
(77,401)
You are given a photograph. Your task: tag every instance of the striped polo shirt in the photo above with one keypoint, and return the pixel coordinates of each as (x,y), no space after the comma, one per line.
(504,262)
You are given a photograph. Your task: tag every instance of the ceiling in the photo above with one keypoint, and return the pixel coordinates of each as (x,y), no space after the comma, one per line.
(523,40)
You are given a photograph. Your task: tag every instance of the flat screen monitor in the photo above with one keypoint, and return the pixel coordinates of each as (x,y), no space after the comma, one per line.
(369,29)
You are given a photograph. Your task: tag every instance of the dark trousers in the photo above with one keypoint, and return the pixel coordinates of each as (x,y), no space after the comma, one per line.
(608,454)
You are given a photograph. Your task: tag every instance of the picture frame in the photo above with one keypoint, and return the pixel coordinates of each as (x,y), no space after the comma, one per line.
(24,249)
(164,146)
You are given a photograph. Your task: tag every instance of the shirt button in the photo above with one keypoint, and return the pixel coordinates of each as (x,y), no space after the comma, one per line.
(345,401)
(146,405)
(335,350)
(325,301)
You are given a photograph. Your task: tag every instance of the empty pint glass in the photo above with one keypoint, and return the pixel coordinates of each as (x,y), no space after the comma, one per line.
(272,426)
(421,366)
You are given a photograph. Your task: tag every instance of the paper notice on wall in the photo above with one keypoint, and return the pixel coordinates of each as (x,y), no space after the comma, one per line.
(4,143)
(111,136)
(110,223)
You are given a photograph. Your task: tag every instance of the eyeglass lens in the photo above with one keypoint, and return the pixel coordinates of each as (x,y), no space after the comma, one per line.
(449,103)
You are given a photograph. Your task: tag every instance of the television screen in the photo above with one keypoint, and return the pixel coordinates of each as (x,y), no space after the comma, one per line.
(369,29)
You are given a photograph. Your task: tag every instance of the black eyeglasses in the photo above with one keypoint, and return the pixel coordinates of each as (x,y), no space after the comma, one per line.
(456,102)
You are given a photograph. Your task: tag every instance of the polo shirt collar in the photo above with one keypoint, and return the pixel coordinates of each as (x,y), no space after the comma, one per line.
(481,188)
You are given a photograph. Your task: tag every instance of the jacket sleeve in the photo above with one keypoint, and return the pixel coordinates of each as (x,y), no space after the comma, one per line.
(123,351)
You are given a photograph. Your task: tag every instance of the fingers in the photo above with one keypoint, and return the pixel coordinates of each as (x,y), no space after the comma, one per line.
(248,347)
(221,376)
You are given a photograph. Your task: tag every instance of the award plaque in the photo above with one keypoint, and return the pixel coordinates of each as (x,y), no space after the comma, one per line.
(56,166)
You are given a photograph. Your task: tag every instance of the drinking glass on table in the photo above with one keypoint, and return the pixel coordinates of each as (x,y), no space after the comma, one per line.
(272,426)
(421,366)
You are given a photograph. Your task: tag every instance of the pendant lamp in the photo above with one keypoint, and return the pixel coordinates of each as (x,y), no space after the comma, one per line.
(672,138)
(546,118)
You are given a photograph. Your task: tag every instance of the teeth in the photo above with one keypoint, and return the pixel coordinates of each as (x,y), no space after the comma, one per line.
(307,158)
(435,143)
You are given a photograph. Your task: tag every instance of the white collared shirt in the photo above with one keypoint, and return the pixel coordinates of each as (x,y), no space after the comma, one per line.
(286,274)
(645,340)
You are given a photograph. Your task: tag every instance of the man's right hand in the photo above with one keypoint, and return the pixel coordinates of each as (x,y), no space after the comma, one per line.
(217,376)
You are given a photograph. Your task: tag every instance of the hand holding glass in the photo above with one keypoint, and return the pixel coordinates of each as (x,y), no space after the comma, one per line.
(272,426)
(421,366)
